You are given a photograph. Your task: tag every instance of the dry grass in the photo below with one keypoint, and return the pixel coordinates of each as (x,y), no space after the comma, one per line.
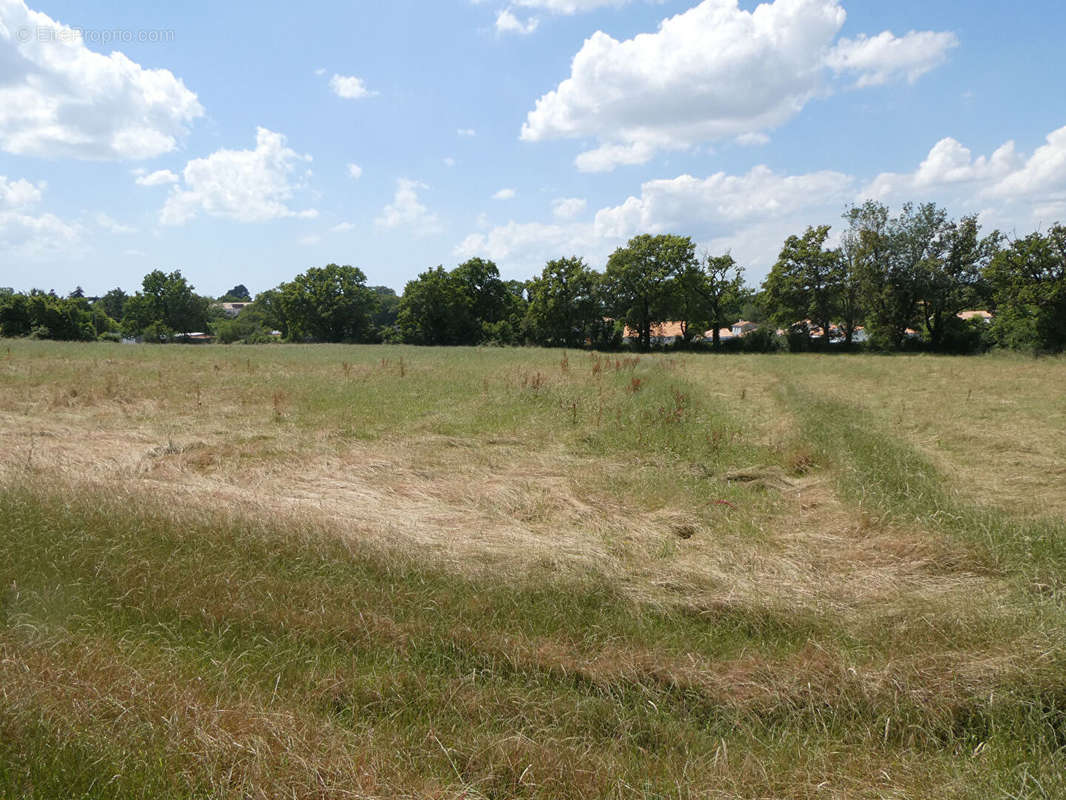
(691,489)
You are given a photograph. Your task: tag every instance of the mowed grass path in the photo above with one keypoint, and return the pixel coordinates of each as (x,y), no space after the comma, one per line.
(397,572)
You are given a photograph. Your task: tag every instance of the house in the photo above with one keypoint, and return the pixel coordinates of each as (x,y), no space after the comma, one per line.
(981,315)
(662,334)
(743,327)
(233,309)
(724,334)
(197,337)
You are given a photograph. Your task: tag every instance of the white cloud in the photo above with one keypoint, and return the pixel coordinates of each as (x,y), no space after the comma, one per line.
(522,248)
(355,171)
(320,71)
(1044,172)
(750,214)
(19,194)
(713,72)
(349,87)
(407,211)
(882,58)
(753,139)
(109,224)
(467,132)
(567,208)
(686,203)
(507,22)
(342,227)
(1007,188)
(58,99)
(157,178)
(243,185)
(570,6)
(25,233)
(449,162)
(505,194)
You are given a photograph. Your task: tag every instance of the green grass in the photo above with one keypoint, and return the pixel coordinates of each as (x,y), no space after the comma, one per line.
(160,639)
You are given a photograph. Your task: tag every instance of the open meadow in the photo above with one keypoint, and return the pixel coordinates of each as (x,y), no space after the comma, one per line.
(382,571)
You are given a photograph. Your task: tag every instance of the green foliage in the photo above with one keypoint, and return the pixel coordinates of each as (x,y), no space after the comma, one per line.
(165,307)
(565,308)
(805,283)
(327,304)
(1028,282)
(46,316)
(469,305)
(640,280)
(712,293)
(113,303)
(434,310)
(238,294)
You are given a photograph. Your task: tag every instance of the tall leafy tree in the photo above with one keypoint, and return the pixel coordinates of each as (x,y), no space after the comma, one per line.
(805,282)
(434,310)
(113,304)
(1028,281)
(328,304)
(714,292)
(948,279)
(564,305)
(238,294)
(165,306)
(639,280)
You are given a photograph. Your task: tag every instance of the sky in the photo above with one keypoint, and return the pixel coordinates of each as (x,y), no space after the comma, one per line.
(244,142)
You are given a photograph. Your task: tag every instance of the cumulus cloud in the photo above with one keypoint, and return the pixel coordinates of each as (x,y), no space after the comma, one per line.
(570,7)
(1005,175)
(507,22)
(687,202)
(111,225)
(883,58)
(160,177)
(505,194)
(566,208)
(60,99)
(522,248)
(355,171)
(407,211)
(466,132)
(27,233)
(243,185)
(342,227)
(751,214)
(349,87)
(1043,172)
(714,72)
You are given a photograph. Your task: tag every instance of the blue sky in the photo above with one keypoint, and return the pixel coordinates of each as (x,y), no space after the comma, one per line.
(244,142)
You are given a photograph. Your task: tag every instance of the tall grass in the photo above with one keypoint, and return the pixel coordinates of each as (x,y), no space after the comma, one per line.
(160,639)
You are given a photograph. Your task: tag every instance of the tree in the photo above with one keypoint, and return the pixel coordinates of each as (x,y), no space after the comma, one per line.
(238,294)
(328,304)
(639,280)
(1028,281)
(714,290)
(805,282)
(166,306)
(564,305)
(896,257)
(113,304)
(384,319)
(434,310)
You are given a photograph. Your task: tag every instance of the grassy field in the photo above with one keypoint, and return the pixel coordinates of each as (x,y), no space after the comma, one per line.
(327,571)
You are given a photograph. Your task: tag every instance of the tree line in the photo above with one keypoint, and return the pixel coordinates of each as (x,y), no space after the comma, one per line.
(900,280)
